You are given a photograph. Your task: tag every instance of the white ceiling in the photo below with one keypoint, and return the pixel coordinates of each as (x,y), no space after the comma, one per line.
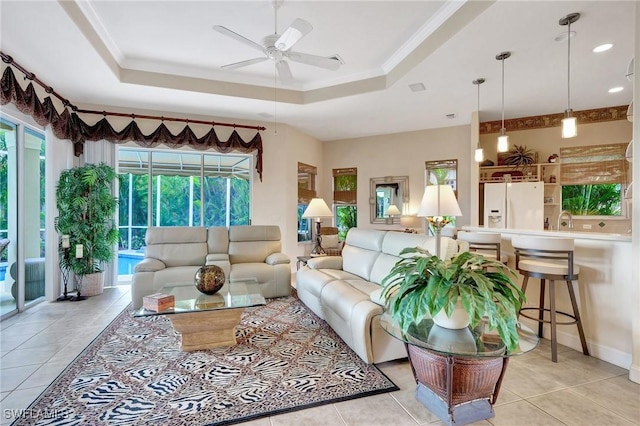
(165,56)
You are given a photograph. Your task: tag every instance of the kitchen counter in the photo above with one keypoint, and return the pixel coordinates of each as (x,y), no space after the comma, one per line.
(566,234)
(604,291)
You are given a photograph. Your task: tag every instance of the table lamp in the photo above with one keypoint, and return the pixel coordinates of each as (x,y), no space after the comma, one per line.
(317,209)
(438,201)
(393,211)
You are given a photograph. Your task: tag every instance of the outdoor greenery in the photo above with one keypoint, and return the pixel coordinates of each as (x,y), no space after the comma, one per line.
(421,285)
(590,200)
(347,219)
(86,213)
(174,203)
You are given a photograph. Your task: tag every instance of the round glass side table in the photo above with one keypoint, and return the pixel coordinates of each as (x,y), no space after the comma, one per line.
(458,372)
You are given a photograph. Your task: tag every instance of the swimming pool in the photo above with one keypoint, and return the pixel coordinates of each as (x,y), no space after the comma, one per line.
(127,261)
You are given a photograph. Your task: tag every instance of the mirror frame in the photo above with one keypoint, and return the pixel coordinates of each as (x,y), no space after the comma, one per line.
(403,184)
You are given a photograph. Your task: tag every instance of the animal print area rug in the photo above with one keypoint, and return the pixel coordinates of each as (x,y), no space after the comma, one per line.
(134,373)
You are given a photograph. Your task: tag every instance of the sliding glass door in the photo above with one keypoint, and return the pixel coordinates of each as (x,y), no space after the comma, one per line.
(22,216)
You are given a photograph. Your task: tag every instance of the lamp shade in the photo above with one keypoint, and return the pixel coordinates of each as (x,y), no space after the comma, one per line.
(393,210)
(569,127)
(409,221)
(439,200)
(317,208)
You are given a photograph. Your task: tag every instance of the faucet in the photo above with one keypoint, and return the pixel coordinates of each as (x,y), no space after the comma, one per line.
(562,214)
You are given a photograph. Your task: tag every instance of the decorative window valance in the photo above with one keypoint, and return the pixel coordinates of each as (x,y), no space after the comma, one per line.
(68,125)
(595,164)
(345,186)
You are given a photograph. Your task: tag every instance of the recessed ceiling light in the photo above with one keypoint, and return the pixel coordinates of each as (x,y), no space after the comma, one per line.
(417,87)
(616,89)
(602,48)
(450,116)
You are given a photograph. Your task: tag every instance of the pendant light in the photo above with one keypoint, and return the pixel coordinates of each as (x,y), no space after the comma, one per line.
(503,139)
(569,122)
(479,155)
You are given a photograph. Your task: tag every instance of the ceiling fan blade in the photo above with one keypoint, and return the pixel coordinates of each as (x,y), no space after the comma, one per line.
(243,63)
(298,29)
(330,63)
(226,31)
(284,72)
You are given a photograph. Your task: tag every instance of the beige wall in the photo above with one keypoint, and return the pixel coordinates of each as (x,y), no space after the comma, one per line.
(548,141)
(400,154)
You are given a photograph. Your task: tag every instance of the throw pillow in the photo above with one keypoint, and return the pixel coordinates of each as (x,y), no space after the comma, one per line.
(330,241)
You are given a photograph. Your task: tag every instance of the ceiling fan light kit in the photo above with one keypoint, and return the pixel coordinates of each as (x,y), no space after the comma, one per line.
(569,122)
(278,48)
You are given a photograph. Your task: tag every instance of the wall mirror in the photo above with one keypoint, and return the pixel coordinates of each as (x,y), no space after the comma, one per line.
(387,191)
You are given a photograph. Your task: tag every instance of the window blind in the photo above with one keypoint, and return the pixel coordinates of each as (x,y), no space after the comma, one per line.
(595,164)
(345,186)
(306,183)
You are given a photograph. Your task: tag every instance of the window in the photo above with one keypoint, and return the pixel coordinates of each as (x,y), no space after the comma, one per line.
(345,199)
(169,188)
(594,179)
(306,192)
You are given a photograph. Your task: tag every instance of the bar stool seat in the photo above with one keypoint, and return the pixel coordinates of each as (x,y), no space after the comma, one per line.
(485,243)
(549,259)
(546,268)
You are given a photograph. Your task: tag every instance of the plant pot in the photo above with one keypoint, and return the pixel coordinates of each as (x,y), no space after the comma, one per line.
(92,284)
(459,318)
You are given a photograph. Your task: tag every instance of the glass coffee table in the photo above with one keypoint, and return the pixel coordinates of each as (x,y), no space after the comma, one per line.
(208,321)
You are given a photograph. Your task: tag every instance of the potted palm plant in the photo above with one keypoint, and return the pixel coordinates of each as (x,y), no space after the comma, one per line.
(421,285)
(86,210)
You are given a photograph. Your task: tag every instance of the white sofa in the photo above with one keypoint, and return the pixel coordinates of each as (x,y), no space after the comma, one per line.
(346,292)
(174,254)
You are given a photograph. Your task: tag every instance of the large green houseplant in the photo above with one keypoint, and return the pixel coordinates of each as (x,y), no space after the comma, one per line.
(421,285)
(86,208)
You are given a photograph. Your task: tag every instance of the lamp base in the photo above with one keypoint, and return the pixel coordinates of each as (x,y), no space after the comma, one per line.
(317,248)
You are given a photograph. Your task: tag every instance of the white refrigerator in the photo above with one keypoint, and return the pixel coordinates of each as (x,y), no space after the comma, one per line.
(514,205)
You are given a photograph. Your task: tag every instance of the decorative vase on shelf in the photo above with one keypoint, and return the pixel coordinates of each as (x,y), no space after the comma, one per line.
(209,279)
(458,319)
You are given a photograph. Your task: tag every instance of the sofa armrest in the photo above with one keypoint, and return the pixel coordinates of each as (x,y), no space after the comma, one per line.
(277,259)
(325,262)
(216,257)
(149,264)
(376,297)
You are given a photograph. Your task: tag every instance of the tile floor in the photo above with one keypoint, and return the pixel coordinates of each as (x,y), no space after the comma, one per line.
(38,344)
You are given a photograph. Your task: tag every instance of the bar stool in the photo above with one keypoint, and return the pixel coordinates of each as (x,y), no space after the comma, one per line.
(485,243)
(549,259)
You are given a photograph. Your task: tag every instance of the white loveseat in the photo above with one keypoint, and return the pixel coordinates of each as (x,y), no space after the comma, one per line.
(346,292)
(174,254)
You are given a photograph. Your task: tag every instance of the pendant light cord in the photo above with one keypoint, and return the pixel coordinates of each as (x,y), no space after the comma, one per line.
(569,66)
(502,92)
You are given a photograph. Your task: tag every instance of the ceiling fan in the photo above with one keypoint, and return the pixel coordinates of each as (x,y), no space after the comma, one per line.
(278,48)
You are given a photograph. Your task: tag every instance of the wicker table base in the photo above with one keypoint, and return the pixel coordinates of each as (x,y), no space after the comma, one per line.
(458,390)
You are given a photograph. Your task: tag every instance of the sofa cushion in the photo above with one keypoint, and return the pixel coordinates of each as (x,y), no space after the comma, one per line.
(181,254)
(218,240)
(175,234)
(175,276)
(177,245)
(253,243)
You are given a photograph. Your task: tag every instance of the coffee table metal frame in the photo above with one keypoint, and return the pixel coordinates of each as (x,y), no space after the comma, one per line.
(208,321)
